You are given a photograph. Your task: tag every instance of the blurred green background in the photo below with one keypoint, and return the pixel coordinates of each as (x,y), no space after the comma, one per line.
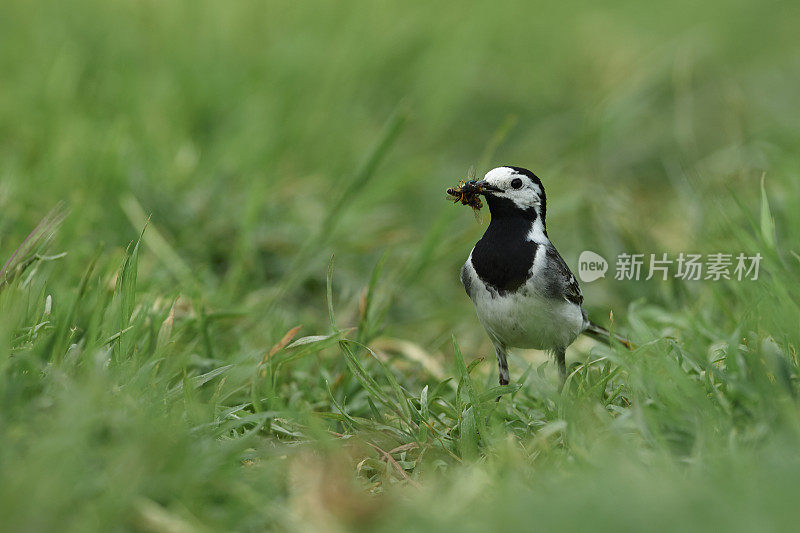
(261,138)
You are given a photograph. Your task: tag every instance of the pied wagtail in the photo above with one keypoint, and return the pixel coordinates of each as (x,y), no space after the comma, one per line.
(524,293)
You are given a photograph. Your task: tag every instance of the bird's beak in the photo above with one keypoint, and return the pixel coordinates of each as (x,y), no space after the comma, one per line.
(483,187)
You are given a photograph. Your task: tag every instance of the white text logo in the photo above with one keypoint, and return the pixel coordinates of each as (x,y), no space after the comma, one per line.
(591,266)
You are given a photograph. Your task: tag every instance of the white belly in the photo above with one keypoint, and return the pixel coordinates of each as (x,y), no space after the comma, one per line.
(526,318)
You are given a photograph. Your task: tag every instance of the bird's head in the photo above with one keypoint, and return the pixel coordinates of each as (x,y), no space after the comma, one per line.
(513,191)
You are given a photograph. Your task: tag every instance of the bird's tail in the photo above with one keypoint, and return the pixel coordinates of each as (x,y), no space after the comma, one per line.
(603,335)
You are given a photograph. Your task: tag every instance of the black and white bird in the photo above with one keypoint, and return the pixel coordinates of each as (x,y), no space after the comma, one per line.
(524,293)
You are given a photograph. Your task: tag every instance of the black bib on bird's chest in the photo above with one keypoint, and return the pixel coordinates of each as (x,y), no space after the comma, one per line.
(504,256)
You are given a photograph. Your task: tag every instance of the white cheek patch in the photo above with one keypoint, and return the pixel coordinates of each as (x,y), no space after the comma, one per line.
(523,198)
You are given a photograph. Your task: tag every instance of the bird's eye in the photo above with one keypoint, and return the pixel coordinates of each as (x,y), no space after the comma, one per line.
(516,183)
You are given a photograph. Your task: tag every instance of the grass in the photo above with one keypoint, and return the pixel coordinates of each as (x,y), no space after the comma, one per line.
(241,309)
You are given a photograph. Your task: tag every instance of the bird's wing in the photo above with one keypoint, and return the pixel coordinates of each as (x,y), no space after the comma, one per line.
(562,284)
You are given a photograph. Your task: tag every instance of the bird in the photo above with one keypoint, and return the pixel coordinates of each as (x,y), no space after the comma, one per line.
(524,293)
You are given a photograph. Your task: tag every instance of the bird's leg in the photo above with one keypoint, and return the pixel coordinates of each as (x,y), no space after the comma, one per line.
(502,365)
(561,362)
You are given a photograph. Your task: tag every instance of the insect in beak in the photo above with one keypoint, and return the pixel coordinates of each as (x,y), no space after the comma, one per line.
(468,192)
